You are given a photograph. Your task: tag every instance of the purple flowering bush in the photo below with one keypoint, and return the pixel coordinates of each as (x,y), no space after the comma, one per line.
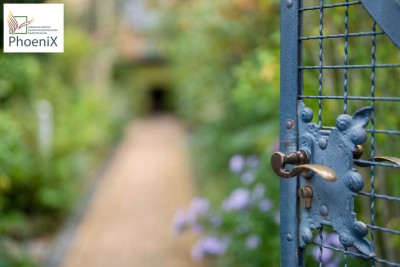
(241,228)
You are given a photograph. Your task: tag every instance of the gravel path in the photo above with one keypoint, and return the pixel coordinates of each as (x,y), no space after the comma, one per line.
(128,221)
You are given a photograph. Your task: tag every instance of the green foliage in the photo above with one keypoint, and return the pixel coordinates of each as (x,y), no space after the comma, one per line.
(15,160)
(226,73)
(209,39)
(79,49)
(38,189)
(226,79)
(257,87)
(35,185)
(7,260)
(18,76)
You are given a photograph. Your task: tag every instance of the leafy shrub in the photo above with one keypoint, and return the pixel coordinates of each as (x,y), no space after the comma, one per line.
(18,76)
(37,190)
(15,165)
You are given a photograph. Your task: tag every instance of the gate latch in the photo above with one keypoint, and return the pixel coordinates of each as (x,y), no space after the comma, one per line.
(324,163)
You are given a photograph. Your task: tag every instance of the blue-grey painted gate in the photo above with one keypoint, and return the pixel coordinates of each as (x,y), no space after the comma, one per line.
(340,140)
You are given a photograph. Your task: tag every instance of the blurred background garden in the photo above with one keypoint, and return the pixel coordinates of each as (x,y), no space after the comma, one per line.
(212,64)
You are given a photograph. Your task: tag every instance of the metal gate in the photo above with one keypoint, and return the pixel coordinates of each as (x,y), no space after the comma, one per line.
(339,141)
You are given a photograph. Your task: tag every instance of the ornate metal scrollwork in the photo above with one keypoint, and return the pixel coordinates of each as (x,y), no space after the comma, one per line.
(332,203)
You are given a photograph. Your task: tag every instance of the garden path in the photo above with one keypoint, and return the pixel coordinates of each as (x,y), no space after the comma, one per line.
(128,220)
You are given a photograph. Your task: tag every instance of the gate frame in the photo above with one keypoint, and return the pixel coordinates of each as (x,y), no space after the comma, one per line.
(291,254)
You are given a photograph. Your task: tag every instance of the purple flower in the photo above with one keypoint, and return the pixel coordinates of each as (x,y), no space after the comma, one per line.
(259,191)
(199,206)
(333,239)
(216,221)
(247,178)
(197,228)
(236,163)
(252,161)
(214,246)
(209,245)
(324,236)
(329,239)
(265,205)
(192,222)
(180,223)
(191,218)
(326,254)
(252,242)
(239,199)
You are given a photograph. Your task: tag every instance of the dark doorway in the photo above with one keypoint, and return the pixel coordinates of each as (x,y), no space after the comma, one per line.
(159,99)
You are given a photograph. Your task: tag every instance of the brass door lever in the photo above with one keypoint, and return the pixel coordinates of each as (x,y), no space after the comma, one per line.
(299,158)
(359,150)
(390,159)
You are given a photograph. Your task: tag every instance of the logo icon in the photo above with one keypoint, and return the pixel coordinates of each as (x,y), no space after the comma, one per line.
(18,24)
(33,28)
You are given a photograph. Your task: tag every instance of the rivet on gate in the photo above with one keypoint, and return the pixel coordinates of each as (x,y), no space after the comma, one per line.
(323,210)
(306,114)
(307,236)
(323,143)
(289,3)
(345,239)
(290,124)
(289,237)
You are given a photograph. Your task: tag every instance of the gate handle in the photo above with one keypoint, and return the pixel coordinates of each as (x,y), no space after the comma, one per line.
(299,158)
(390,159)
(359,151)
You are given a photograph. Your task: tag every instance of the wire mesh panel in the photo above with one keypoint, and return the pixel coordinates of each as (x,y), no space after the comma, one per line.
(347,62)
